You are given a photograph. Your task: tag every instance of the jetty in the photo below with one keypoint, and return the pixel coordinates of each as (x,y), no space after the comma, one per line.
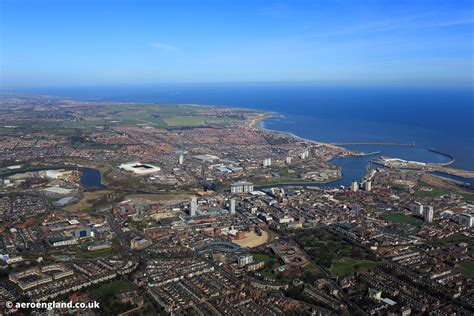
(377,143)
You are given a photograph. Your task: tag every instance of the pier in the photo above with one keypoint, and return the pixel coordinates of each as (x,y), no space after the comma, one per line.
(377,143)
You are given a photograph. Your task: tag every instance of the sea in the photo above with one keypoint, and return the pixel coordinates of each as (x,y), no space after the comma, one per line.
(440,119)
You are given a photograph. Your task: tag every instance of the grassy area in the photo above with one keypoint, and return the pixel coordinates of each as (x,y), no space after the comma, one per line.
(468,197)
(326,247)
(431,194)
(265,258)
(106,294)
(467,269)
(158,116)
(349,266)
(402,219)
(270,264)
(185,121)
(456,238)
(110,289)
(94,254)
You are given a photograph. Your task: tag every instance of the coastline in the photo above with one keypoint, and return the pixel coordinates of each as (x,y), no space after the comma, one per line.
(257,123)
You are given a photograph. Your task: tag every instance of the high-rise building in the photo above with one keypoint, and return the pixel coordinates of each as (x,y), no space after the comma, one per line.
(232,206)
(368,186)
(245,260)
(305,154)
(181,159)
(417,209)
(288,160)
(428,214)
(354,186)
(193,207)
(267,162)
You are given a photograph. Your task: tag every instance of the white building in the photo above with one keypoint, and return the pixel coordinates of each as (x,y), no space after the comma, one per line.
(193,207)
(181,159)
(354,186)
(267,162)
(232,206)
(241,187)
(245,260)
(139,168)
(428,214)
(288,160)
(368,186)
(283,219)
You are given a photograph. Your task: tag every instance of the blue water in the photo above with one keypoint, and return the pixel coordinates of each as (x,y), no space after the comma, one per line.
(91,178)
(469,182)
(434,118)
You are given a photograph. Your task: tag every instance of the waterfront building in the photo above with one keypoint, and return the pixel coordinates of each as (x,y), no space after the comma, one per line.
(354,186)
(368,186)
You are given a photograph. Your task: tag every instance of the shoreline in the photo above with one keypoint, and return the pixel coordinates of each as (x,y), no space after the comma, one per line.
(257,123)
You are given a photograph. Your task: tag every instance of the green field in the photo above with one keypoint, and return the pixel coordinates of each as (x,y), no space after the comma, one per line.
(325,247)
(270,264)
(467,269)
(431,194)
(94,254)
(456,238)
(159,116)
(348,266)
(402,219)
(468,197)
(265,258)
(110,289)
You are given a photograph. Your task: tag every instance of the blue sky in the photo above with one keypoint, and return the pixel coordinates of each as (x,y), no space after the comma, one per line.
(69,42)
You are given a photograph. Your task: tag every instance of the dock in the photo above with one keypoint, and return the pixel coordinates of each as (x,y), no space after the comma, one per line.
(376,143)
